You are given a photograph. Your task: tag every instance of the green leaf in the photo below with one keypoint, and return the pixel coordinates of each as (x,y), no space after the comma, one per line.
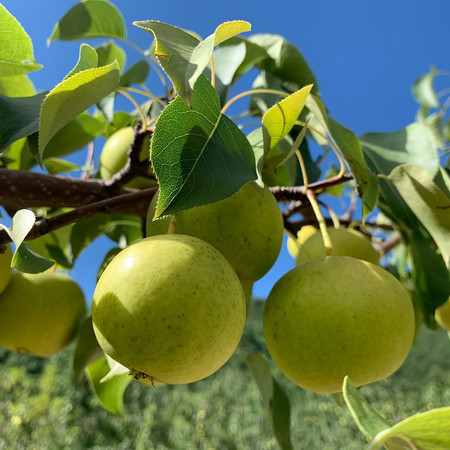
(430,277)
(413,144)
(110,393)
(22,222)
(107,259)
(199,155)
(89,19)
(85,232)
(110,52)
(368,421)
(426,431)
(348,146)
(87,59)
(280,118)
(17,86)
(56,165)
(285,62)
(427,201)
(275,400)
(424,92)
(183,56)
(16,48)
(20,117)
(87,350)
(73,96)
(28,261)
(136,74)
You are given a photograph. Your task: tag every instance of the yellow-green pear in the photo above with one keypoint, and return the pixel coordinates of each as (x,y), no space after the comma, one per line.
(247,228)
(40,314)
(346,242)
(170,308)
(304,233)
(115,154)
(5,268)
(442,315)
(336,316)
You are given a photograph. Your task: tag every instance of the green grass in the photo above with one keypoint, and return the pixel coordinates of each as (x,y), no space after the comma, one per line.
(43,408)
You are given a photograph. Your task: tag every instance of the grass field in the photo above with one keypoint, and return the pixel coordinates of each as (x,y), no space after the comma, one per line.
(43,408)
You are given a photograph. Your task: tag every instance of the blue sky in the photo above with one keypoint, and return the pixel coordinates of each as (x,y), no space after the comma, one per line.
(365,55)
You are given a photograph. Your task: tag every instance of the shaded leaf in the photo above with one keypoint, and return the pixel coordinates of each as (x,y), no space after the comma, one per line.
(368,421)
(88,19)
(424,92)
(28,261)
(87,349)
(428,431)
(427,201)
(183,56)
(136,74)
(86,231)
(87,59)
(110,393)
(16,48)
(110,52)
(20,117)
(275,400)
(72,97)
(199,155)
(107,259)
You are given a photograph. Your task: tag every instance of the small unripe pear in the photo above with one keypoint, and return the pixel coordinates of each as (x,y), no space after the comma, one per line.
(5,268)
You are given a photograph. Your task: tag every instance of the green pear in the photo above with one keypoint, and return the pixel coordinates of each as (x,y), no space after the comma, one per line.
(336,316)
(346,242)
(40,314)
(293,245)
(5,268)
(115,154)
(247,228)
(170,308)
(442,315)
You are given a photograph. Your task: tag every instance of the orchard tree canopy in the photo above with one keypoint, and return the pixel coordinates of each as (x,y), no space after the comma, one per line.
(196,185)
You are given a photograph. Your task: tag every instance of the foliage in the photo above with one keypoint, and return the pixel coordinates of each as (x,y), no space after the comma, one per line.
(197,153)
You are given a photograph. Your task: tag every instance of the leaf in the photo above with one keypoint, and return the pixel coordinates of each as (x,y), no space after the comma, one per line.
(427,201)
(28,261)
(115,368)
(110,393)
(88,19)
(183,56)
(428,431)
(414,144)
(87,349)
(72,97)
(86,231)
(16,48)
(274,399)
(110,52)
(56,165)
(20,117)
(423,91)
(87,59)
(22,222)
(368,421)
(199,155)
(17,86)
(348,146)
(136,74)
(430,277)
(280,118)
(285,62)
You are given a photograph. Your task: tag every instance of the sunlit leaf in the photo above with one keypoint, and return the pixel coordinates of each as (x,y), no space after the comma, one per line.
(110,393)
(72,97)
(424,92)
(368,421)
(87,59)
(16,48)
(110,52)
(199,155)
(427,201)
(88,19)
(57,165)
(17,86)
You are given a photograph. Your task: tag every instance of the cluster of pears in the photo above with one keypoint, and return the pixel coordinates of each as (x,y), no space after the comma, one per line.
(39,314)
(172,307)
(337,316)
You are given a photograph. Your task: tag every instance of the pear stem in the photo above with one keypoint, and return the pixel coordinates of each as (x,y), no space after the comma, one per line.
(172,224)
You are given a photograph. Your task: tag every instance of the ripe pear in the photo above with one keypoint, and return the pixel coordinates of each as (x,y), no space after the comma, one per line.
(247,228)
(442,315)
(170,308)
(40,314)
(115,154)
(346,242)
(5,268)
(336,316)
(304,233)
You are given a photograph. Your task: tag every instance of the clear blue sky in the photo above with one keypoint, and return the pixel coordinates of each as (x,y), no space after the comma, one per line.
(365,55)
